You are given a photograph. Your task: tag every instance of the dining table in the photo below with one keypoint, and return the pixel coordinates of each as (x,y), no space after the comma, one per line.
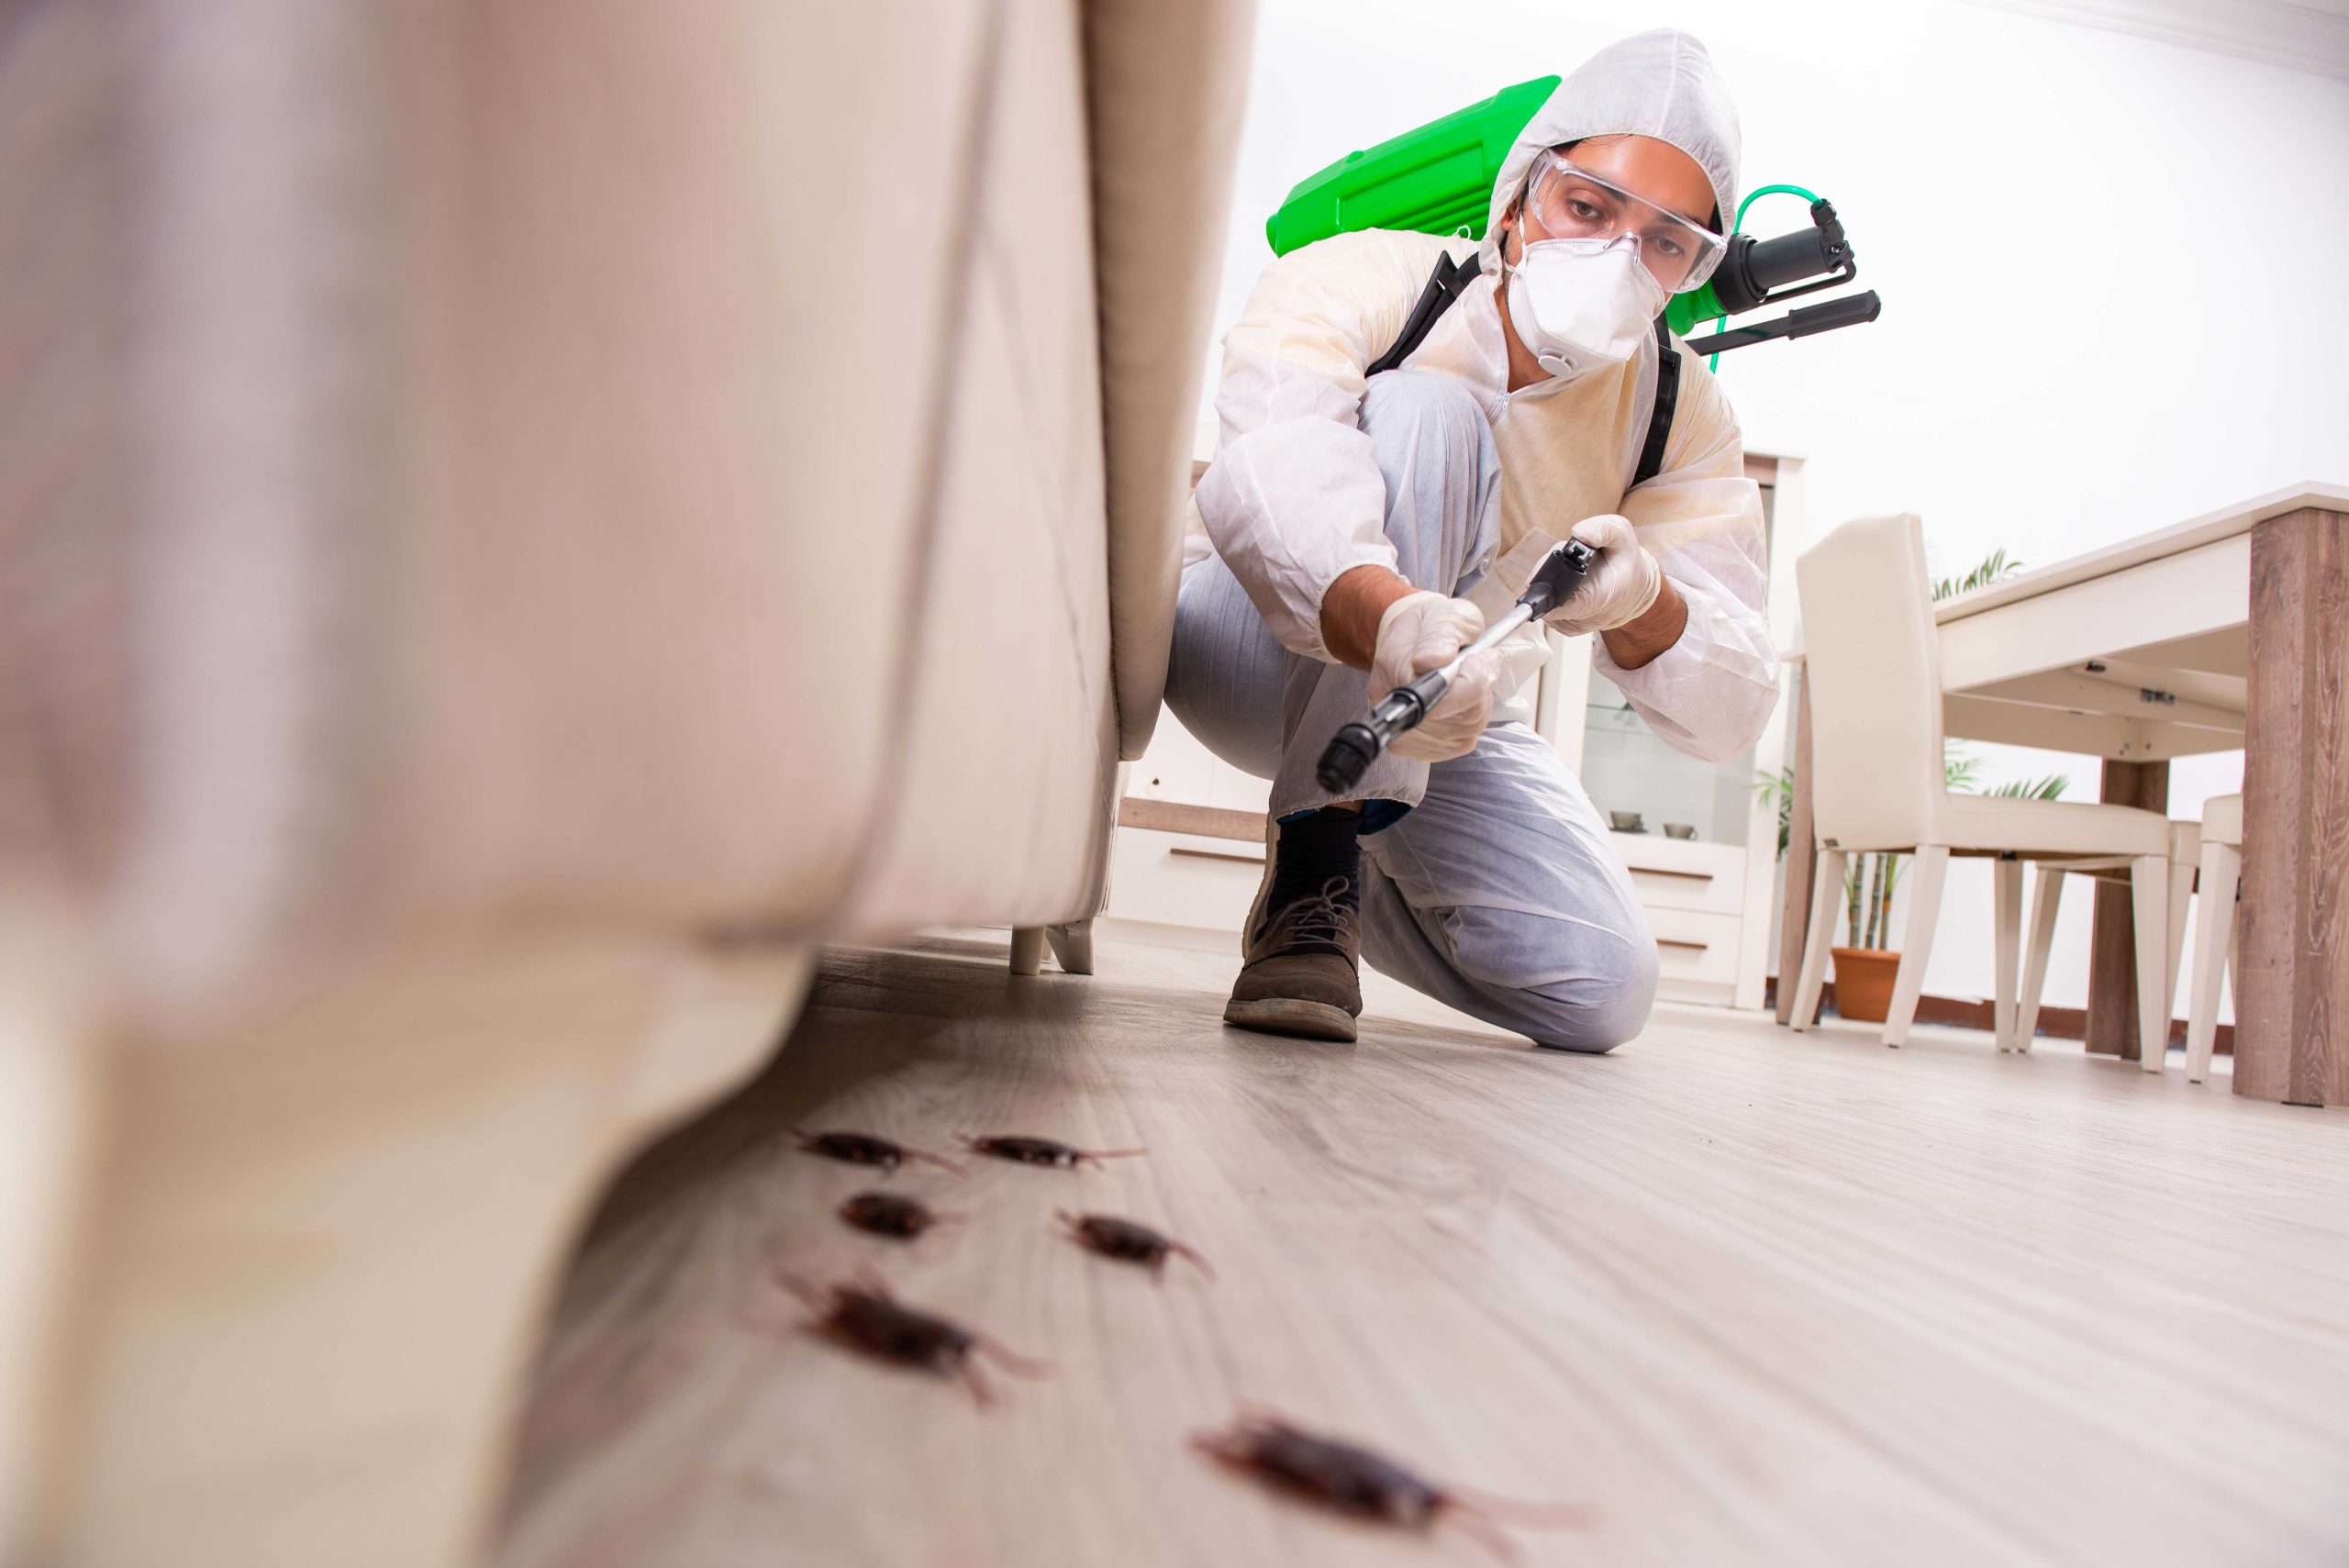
(2229,630)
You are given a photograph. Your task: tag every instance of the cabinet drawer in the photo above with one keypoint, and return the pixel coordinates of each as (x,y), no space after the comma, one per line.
(1670,874)
(1183,879)
(1204,884)
(1694,950)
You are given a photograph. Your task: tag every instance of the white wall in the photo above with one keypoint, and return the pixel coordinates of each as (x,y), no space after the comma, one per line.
(2112,271)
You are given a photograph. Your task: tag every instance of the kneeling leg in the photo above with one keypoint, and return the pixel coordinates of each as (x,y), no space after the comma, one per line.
(1501,895)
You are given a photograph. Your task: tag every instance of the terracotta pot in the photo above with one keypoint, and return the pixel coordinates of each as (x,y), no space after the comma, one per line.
(1864,982)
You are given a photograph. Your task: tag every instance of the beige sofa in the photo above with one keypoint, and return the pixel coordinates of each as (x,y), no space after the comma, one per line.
(518,520)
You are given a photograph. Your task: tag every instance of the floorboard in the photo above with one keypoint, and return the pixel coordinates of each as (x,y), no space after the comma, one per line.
(1753,1296)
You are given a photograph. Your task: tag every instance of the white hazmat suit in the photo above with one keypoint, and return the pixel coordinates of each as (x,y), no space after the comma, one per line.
(1297,497)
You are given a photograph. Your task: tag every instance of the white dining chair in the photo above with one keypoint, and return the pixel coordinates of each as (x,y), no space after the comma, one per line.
(1877,779)
(2047,888)
(2215,939)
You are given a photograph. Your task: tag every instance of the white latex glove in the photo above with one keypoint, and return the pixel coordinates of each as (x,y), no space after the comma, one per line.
(1622,585)
(1424,631)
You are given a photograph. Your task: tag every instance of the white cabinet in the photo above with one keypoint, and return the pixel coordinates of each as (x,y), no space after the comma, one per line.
(1183,889)
(1191,850)
(1709,896)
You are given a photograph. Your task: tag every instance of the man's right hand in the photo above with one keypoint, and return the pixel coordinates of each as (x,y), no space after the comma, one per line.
(1425,631)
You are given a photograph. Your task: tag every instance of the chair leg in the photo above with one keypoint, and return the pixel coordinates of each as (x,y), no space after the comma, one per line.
(1026,949)
(2220,866)
(1917,944)
(2149,882)
(2006,874)
(1826,903)
(1072,945)
(2181,896)
(2046,897)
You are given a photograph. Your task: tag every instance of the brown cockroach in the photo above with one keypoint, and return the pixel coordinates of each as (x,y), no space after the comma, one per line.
(887,1214)
(1129,1242)
(1042,1151)
(1355,1481)
(863,1149)
(866,1318)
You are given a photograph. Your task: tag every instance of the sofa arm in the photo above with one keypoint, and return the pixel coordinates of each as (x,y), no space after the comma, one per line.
(1166,85)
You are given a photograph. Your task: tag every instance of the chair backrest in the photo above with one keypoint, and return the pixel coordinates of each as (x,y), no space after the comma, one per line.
(1876,696)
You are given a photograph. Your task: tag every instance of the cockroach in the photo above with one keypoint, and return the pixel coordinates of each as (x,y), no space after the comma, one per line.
(1042,1151)
(1355,1481)
(887,1214)
(863,1149)
(866,1318)
(1129,1242)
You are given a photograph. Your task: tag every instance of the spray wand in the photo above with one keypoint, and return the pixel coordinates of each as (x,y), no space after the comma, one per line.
(1357,745)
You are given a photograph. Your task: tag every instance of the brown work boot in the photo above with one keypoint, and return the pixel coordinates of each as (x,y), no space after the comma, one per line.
(1303,964)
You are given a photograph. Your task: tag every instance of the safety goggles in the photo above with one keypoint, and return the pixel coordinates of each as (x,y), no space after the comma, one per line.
(1572,203)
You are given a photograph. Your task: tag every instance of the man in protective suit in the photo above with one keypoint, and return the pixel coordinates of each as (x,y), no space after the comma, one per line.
(1354,531)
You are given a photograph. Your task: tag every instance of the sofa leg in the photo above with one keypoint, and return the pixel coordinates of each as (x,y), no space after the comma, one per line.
(1072,945)
(1026,949)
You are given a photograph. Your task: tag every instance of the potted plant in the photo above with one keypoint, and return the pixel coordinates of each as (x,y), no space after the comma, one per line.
(1864,971)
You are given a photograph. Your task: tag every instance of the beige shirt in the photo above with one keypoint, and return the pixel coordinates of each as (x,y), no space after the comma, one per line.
(1294,499)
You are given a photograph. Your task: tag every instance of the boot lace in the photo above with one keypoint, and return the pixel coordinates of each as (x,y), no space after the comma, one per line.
(1324,917)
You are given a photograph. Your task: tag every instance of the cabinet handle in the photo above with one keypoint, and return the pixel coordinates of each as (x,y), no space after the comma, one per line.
(1692,946)
(1659,871)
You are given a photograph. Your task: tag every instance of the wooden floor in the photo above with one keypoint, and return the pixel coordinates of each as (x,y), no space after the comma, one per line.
(1757,1297)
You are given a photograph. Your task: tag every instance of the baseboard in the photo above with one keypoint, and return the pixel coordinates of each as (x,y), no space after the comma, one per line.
(2055,1023)
(1154,933)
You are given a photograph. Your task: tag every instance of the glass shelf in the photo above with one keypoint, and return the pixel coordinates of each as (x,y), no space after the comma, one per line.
(1626,768)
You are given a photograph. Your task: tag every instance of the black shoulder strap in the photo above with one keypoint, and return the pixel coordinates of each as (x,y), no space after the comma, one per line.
(1445,285)
(1667,397)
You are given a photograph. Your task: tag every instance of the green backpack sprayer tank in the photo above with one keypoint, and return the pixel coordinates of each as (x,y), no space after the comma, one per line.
(1435,180)
(1439,180)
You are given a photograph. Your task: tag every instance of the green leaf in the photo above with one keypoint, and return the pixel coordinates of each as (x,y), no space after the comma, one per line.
(1779,786)
(2049,788)
(1989,570)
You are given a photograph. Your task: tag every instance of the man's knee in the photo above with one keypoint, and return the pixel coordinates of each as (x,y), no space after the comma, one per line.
(1596,1012)
(1579,984)
(1425,413)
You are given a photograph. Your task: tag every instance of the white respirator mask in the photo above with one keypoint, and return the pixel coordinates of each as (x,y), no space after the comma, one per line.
(1581,304)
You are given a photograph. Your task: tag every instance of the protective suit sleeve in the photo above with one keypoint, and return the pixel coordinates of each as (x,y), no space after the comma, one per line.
(1710,693)
(1294,499)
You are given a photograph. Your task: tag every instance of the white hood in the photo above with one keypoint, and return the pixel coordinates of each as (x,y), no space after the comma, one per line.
(1659,85)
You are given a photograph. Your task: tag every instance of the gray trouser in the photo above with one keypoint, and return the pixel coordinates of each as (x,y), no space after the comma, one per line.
(1500,894)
